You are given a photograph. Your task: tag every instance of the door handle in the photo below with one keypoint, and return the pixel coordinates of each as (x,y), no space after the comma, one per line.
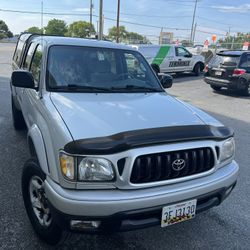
(179,59)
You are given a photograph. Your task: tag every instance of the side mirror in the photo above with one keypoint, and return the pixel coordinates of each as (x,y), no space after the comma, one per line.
(188,55)
(166,81)
(22,79)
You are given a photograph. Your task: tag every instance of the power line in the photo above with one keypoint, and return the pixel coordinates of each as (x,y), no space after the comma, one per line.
(107,18)
(46,13)
(211,33)
(142,15)
(146,25)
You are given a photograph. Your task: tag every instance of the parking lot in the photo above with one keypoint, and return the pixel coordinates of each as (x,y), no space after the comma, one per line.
(226,226)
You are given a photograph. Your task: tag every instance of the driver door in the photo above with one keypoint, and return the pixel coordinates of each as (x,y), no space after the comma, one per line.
(182,60)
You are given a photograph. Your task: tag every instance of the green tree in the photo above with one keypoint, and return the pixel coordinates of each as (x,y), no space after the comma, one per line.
(4,30)
(34,30)
(133,37)
(235,42)
(125,36)
(113,33)
(80,29)
(56,27)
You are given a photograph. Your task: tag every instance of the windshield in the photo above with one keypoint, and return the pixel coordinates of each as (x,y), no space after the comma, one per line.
(91,69)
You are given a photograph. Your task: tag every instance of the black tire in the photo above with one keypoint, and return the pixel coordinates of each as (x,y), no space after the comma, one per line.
(197,69)
(216,88)
(51,233)
(246,90)
(17,117)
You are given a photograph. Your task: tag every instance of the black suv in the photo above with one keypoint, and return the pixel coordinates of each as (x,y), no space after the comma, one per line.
(229,69)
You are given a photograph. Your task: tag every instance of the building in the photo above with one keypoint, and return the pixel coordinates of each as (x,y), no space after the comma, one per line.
(166,37)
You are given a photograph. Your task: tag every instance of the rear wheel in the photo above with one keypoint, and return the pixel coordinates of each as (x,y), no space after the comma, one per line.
(246,90)
(17,117)
(197,69)
(36,203)
(216,88)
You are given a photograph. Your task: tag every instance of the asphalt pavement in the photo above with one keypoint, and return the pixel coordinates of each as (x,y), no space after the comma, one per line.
(223,227)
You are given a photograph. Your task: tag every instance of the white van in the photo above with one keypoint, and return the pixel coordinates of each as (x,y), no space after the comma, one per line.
(171,58)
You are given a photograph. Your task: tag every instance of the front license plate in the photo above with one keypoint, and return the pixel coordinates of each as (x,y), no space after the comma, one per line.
(178,213)
(218,73)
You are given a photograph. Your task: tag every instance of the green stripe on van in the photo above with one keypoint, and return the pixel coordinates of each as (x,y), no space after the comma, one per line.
(162,53)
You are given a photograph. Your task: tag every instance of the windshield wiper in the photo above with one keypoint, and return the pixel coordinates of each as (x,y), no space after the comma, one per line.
(135,87)
(81,87)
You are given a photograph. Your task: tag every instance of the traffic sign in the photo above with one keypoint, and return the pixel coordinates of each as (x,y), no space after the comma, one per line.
(206,43)
(214,37)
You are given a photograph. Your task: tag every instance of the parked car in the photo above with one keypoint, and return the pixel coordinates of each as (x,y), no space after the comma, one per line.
(110,149)
(229,69)
(172,58)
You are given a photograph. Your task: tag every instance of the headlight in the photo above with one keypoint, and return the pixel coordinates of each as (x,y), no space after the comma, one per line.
(67,165)
(95,169)
(227,149)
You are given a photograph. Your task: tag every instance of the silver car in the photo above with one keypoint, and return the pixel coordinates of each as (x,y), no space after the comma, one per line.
(110,149)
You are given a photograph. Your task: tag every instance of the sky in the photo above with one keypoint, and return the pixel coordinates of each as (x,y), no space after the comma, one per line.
(146,17)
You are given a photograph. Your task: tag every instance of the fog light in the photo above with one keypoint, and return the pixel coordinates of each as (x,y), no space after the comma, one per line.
(84,224)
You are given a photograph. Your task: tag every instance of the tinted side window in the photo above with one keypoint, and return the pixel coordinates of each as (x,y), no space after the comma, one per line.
(26,64)
(245,62)
(18,52)
(36,64)
(181,51)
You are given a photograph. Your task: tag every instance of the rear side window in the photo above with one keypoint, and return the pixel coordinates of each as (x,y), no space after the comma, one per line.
(245,62)
(28,57)
(35,67)
(225,60)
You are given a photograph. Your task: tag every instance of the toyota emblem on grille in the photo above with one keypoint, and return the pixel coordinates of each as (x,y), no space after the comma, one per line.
(178,164)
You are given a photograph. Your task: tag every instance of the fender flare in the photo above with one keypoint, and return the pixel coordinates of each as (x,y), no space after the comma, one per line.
(37,147)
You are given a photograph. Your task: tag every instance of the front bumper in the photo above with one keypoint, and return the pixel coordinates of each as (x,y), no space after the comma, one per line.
(119,207)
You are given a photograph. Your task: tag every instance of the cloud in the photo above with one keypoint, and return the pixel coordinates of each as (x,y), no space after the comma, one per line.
(233,9)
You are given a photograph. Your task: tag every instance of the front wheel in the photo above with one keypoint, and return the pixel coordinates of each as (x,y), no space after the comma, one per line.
(216,88)
(36,203)
(197,69)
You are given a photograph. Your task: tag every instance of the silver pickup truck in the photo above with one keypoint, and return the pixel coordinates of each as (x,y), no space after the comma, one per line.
(110,149)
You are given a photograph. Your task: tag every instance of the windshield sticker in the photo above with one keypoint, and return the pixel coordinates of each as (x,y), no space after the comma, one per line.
(179,63)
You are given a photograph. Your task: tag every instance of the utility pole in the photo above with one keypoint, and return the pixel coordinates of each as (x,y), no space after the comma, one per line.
(42,17)
(160,37)
(195,26)
(228,36)
(117,22)
(232,46)
(100,20)
(192,28)
(90,13)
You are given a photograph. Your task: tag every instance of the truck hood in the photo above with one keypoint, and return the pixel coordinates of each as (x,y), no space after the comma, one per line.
(95,115)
